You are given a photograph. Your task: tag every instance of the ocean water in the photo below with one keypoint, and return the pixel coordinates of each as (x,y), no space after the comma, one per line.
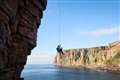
(51,72)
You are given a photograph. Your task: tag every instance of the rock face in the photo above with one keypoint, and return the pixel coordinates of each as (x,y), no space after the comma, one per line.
(104,56)
(19,21)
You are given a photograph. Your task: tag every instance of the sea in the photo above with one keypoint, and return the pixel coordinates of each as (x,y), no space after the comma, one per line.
(53,72)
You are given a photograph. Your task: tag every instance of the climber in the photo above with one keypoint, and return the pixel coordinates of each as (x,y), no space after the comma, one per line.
(60,49)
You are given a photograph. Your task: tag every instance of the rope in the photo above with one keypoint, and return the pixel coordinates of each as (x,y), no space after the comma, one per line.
(59,22)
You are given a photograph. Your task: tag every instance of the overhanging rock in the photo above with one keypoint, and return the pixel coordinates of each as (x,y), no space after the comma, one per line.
(19,21)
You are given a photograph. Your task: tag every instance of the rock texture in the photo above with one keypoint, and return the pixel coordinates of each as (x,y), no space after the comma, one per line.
(19,21)
(107,57)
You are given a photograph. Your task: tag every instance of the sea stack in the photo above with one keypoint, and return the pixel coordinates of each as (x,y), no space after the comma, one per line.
(19,21)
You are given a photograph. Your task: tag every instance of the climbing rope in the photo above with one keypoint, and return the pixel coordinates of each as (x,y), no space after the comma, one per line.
(59,22)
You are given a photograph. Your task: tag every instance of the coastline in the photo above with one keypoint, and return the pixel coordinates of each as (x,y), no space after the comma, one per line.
(101,58)
(108,68)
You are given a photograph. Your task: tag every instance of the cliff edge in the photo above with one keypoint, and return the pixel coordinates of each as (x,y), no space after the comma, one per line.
(19,21)
(103,57)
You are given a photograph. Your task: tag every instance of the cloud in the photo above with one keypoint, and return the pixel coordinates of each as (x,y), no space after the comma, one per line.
(40,59)
(102,32)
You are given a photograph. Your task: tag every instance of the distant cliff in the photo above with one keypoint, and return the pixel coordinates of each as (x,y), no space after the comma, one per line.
(106,57)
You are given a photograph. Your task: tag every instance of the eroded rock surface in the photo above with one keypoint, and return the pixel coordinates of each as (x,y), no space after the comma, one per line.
(19,21)
(107,57)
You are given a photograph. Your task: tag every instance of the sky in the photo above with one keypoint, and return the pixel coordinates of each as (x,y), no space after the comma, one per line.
(76,24)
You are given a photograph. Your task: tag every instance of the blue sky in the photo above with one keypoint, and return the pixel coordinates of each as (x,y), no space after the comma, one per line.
(78,23)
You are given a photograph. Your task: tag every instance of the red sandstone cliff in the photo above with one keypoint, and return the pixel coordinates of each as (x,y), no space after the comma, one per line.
(19,21)
(103,57)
